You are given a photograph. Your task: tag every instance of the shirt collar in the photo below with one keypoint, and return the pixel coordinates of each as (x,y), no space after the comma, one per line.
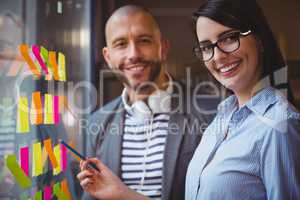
(259,103)
(263,100)
(158,102)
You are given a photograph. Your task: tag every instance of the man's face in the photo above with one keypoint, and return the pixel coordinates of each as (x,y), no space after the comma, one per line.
(134,49)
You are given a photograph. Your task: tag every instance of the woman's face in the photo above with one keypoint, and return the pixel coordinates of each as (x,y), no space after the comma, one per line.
(238,71)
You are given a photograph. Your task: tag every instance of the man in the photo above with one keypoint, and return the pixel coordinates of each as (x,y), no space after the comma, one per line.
(146,137)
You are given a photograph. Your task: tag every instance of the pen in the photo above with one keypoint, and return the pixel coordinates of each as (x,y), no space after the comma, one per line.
(92,165)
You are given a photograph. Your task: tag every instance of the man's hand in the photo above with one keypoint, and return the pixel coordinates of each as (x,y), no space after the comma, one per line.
(101,185)
(105,184)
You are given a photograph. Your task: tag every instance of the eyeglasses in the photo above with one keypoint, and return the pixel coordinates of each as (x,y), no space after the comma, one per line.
(228,43)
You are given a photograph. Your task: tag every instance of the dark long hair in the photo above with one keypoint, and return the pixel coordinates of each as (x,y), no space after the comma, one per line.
(247,15)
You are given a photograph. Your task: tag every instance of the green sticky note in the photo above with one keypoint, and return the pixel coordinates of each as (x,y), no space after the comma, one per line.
(16,170)
(38,195)
(58,192)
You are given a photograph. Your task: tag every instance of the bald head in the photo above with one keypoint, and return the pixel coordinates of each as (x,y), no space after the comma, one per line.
(129,11)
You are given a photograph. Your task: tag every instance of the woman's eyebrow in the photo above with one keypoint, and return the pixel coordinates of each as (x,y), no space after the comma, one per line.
(219,35)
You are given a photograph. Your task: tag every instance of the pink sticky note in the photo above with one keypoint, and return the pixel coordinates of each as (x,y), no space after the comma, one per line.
(47,193)
(24,157)
(63,157)
(36,52)
(56,109)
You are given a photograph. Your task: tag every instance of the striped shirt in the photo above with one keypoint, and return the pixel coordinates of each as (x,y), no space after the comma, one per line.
(144,139)
(142,153)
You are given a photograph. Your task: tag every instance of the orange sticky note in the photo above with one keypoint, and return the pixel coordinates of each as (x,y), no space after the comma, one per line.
(54,65)
(37,166)
(23,48)
(57,153)
(48,147)
(65,189)
(22,116)
(48,109)
(62,67)
(36,113)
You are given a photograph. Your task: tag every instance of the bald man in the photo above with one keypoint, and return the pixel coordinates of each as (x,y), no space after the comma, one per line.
(142,141)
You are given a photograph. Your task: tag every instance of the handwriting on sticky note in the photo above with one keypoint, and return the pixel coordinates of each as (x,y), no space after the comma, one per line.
(16,170)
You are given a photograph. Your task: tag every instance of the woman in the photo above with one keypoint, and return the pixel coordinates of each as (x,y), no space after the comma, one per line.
(251,149)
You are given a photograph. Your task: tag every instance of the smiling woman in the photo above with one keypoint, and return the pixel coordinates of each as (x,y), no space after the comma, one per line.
(250,149)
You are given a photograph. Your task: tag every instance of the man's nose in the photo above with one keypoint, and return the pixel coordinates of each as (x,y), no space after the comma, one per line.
(133,52)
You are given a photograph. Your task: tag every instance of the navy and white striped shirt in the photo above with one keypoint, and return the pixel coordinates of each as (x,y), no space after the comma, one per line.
(144,139)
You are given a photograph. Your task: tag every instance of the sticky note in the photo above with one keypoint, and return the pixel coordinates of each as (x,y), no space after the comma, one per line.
(56,109)
(16,170)
(38,195)
(48,109)
(45,57)
(54,65)
(62,67)
(22,116)
(36,111)
(24,159)
(65,189)
(47,193)
(64,161)
(36,52)
(44,159)
(23,48)
(37,166)
(35,61)
(48,147)
(57,153)
(58,192)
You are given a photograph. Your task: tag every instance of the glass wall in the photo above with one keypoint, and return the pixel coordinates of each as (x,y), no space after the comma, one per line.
(45,75)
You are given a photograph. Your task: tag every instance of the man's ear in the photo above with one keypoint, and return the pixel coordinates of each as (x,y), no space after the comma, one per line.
(105,53)
(165,46)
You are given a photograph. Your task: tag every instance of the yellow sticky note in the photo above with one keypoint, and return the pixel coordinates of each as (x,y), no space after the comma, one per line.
(48,109)
(57,153)
(62,67)
(20,176)
(37,166)
(22,116)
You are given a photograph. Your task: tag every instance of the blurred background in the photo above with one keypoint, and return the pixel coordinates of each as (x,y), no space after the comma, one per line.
(76,28)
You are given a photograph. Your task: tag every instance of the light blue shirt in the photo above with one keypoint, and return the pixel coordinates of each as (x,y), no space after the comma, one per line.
(259,158)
